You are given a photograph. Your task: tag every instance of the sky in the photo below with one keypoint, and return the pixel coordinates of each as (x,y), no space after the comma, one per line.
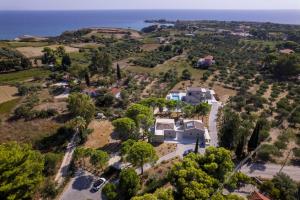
(146,4)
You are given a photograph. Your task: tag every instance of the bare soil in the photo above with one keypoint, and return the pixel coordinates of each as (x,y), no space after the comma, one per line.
(150,47)
(165,148)
(27,131)
(32,52)
(8,93)
(101,136)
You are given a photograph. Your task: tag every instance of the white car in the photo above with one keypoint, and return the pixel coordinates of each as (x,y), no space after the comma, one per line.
(98,184)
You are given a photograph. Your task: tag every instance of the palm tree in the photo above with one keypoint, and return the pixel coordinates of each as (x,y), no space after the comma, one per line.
(78,124)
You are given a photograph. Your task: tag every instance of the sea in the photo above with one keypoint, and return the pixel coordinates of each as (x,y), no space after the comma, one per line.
(52,23)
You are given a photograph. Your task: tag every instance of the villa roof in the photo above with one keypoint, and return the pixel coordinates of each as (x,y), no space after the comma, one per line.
(193,124)
(160,126)
(258,196)
(286,51)
(115,91)
(209,57)
(196,89)
(165,124)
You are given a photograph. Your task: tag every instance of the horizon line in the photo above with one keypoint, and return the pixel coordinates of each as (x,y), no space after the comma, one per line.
(149,9)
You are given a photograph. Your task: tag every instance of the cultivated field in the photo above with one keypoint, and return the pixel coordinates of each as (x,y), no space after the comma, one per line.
(16,77)
(32,52)
(7,93)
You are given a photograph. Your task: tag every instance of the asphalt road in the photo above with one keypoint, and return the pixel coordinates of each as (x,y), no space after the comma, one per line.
(212,129)
(79,187)
(267,171)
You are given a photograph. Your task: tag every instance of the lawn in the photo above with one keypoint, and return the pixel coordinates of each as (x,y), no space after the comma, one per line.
(15,77)
(6,107)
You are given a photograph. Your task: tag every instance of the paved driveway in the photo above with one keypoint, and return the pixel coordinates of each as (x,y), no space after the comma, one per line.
(213,131)
(79,188)
(267,170)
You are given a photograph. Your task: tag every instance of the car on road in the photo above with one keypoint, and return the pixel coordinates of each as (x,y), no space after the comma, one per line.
(98,184)
(187,152)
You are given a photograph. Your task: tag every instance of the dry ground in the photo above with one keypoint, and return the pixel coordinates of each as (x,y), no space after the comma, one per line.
(31,52)
(165,148)
(159,171)
(150,47)
(86,45)
(7,93)
(116,32)
(60,107)
(27,131)
(100,137)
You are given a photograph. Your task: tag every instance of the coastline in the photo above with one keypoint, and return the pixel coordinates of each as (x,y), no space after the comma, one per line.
(53,23)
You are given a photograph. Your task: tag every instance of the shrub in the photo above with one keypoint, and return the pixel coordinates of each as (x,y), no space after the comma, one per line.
(51,160)
(109,190)
(49,189)
(266,151)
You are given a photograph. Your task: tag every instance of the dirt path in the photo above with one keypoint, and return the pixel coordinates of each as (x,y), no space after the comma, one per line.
(63,170)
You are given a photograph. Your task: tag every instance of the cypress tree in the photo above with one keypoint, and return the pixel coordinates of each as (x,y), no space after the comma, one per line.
(87,79)
(254,139)
(197,145)
(239,152)
(119,76)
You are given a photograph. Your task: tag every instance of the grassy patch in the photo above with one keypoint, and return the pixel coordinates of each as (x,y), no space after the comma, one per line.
(272,44)
(23,44)
(27,131)
(15,77)
(178,65)
(6,107)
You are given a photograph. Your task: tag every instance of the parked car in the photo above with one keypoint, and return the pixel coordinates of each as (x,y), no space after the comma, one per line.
(98,184)
(186,152)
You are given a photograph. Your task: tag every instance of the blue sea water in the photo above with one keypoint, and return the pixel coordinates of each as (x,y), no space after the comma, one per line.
(51,23)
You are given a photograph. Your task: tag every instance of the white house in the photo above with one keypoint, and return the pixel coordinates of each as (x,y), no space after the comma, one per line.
(193,95)
(167,129)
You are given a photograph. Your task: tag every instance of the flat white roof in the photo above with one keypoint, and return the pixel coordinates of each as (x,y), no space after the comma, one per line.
(159,132)
(163,120)
(191,120)
(206,134)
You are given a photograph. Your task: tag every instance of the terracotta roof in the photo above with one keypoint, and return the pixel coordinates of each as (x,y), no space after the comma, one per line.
(209,57)
(286,51)
(257,196)
(115,91)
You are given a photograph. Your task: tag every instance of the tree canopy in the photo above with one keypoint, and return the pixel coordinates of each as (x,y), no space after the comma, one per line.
(126,127)
(141,153)
(229,134)
(21,171)
(81,105)
(198,176)
(129,183)
(101,63)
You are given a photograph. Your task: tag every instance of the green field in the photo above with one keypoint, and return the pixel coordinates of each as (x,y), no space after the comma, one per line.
(178,65)
(15,77)
(6,107)
(13,44)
